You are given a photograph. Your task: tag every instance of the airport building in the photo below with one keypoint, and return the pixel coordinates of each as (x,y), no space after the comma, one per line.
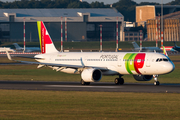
(171,27)
(143,13)
(149,16)
(79,24)
(131,36)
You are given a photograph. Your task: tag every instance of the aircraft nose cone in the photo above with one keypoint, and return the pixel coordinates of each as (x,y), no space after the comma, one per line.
(169,68)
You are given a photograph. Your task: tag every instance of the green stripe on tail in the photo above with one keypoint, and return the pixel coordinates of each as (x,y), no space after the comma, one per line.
(39,32)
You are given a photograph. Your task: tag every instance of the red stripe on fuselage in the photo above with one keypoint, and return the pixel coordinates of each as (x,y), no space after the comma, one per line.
(139,62)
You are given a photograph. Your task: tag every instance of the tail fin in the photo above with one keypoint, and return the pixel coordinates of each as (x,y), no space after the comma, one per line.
(135,45)
(17,46)
(46,43)
(175,44)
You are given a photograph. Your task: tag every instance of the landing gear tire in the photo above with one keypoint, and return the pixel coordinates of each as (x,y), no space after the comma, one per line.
(84,83)
(116,81)
(87,83)
(156,83)
(119,81)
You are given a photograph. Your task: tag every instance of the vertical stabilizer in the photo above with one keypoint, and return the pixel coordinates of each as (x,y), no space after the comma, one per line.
(175,44)
(17,46)
(135,45)
(45,40)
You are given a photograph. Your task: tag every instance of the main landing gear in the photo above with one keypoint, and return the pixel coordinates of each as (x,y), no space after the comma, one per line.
(119,81)
(156,82)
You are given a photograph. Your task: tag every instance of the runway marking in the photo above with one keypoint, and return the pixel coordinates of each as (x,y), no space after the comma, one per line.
(79,86)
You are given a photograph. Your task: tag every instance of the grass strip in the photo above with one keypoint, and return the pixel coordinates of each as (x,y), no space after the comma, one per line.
(93,45)
(22,104)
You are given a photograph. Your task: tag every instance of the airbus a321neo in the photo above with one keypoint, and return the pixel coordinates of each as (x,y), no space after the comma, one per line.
(93,65)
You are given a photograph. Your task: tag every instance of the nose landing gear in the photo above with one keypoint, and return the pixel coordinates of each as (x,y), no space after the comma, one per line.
(156,82)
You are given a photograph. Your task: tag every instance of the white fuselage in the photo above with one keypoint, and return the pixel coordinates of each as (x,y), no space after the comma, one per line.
(115,62)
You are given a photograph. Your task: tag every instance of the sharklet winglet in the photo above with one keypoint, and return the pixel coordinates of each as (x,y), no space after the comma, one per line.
(164,51)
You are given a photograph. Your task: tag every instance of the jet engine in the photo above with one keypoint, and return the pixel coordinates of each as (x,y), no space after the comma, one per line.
(91,75)
(143,77)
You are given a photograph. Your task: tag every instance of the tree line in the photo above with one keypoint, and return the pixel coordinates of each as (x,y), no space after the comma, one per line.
(126,7)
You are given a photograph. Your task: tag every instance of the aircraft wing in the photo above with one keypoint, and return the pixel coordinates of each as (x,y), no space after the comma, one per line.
(56,65)
(61,65)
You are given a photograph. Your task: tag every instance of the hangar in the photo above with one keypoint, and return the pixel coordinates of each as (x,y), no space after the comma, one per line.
(82,24)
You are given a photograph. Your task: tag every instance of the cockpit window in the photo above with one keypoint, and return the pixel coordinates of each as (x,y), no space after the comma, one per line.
(161,59)
(164,59)
(157,60)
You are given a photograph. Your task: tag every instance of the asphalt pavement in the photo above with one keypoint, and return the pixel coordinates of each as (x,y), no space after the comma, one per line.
(95,87)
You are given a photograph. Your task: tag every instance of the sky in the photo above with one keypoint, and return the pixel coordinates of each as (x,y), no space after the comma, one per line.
(137,1)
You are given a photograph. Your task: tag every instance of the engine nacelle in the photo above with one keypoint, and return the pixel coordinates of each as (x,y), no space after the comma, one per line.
(91,75)
(143,77)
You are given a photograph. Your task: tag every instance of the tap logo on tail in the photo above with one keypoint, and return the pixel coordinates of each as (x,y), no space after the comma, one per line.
(46,43)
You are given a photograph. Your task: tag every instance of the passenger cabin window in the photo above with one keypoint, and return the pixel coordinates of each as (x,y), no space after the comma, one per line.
(138,60)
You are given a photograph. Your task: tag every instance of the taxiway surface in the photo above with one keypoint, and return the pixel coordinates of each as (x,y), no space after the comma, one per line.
(96,87)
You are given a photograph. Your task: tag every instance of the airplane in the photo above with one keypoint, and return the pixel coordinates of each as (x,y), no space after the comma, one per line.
(146,49)
(93,65)
(4,49)
(168,48)
(177,48)
(27,49)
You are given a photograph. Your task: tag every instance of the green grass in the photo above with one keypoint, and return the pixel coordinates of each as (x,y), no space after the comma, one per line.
(28,105)
(107,45)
